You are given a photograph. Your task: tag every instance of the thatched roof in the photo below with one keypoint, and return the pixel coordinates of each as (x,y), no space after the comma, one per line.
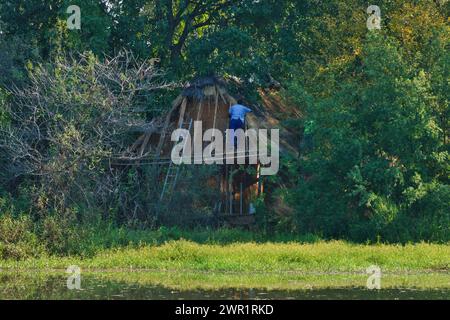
(203,99)
(196,88)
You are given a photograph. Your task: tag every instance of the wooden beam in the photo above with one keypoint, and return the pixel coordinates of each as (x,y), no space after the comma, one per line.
(175,105)
(200,107)
(145,142)
(137,143)
(182,112)
(216,106)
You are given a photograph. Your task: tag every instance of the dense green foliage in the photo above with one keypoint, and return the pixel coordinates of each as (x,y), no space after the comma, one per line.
(380,157)
(374,153)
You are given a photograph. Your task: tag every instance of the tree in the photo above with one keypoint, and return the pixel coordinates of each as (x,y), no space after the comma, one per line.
(376,144)
(66,127)
(173,22)
(42,25)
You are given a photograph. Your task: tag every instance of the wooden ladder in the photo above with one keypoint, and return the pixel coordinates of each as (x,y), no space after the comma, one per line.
(173,171)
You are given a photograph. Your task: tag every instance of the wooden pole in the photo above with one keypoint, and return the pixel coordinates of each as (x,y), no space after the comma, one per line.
(166,126)
(240,199)
(230,187)
(182,112)
(259,179)
(215,110)
(227,190)
(200,107)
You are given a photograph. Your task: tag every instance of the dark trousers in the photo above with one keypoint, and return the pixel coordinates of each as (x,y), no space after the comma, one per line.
(234,125)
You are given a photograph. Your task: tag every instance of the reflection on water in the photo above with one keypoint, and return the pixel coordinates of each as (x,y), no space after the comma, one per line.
(17,286)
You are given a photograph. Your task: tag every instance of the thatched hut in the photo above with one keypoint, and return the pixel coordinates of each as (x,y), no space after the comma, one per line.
(205,100)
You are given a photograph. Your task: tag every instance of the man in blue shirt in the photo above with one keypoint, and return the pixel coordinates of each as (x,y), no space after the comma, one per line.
(237,115)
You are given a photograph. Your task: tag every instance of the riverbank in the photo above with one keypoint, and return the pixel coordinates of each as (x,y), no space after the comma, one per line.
(288,266)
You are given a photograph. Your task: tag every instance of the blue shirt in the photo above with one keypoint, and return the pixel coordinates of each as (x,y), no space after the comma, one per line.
(238,112)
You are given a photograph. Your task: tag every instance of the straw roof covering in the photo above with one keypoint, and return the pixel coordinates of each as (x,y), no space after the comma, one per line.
(204,99)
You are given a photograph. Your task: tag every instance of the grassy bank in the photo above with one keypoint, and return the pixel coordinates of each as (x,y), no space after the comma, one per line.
(22,239)
(250,257)
(184,264)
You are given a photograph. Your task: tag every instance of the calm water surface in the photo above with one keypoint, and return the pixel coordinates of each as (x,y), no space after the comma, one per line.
(14,286)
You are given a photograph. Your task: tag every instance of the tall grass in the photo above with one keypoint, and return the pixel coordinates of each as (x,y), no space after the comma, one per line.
(21,238)
(334,256)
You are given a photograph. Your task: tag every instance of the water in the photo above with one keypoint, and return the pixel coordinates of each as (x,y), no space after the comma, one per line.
(54,286)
